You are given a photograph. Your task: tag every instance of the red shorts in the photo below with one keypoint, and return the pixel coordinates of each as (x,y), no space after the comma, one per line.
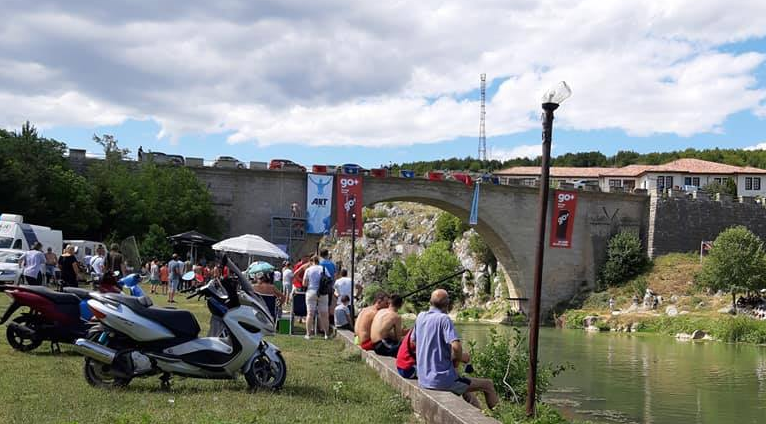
(368,345)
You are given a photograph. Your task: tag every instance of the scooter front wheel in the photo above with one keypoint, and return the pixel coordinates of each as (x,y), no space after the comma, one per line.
(267,374)
(98,374)
(19,339)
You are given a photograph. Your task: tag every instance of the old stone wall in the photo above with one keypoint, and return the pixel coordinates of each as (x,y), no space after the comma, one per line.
(679,224)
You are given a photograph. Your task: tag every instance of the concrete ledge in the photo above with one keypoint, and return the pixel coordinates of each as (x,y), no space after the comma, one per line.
(434,406)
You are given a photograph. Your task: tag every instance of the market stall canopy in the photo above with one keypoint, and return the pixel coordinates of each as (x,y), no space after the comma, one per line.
(250,245)
(192,237)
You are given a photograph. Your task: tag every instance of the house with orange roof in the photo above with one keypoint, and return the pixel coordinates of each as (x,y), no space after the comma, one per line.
(680,174)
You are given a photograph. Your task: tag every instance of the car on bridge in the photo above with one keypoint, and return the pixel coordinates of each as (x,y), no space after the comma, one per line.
(162,158)
(352,169)
(286,165)
(228,162)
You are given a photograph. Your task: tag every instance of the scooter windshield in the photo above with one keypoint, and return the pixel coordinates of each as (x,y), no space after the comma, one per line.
(244,285)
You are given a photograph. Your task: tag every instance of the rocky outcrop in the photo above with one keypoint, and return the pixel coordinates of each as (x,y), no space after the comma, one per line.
(392,231)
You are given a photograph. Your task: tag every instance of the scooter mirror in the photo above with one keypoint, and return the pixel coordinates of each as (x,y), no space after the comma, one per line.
(188,276)
(116,273)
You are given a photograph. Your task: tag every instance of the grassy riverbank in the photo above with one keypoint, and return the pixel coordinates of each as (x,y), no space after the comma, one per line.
(685,307)
(324,384)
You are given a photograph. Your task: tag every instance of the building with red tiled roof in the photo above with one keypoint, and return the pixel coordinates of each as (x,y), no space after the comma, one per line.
(681,173)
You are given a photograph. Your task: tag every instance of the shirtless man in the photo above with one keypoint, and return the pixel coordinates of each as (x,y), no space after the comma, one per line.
(386,332)
(363,326)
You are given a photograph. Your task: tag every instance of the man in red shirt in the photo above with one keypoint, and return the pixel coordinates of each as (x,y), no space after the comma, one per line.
(298,273)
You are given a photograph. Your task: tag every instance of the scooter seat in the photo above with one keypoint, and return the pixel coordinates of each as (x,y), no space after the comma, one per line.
(182,323)
(54,296)
(82,294)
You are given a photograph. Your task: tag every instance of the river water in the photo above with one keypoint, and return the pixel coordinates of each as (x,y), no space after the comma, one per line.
(646,378)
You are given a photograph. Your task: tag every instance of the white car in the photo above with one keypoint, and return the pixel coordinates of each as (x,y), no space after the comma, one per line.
(9,265)
(228,162)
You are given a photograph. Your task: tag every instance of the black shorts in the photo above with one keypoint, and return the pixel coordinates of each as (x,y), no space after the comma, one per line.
(386,348)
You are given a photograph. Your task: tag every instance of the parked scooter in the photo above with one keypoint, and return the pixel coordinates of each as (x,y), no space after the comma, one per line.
(55,316)
(136,339)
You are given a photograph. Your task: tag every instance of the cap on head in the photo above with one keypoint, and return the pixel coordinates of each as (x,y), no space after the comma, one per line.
(440,299)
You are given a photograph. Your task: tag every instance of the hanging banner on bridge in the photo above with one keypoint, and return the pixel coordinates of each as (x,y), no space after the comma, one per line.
(318,204)
(473,219)
(349,201)
(562,221)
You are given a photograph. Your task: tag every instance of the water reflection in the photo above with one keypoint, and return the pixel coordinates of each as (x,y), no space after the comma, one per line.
(622,378)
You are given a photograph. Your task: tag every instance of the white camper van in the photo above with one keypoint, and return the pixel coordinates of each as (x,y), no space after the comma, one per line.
(15,234)
(84,248)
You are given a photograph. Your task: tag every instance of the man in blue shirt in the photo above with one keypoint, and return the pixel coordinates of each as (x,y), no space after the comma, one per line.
(327,263)
(438,351)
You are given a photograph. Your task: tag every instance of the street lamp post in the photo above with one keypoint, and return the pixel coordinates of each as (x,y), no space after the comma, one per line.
(551,101)
(353,262)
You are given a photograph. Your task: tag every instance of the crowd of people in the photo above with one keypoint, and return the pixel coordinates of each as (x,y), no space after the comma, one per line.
(40,268)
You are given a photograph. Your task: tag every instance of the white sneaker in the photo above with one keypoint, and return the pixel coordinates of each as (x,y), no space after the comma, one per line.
(307,337)
(325,337)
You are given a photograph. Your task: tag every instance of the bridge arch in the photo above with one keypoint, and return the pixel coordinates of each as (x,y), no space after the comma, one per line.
(457,201)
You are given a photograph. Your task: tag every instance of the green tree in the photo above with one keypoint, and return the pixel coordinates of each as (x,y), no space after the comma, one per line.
(436,262)
(449,227)
(155,244)
(728,186)
(37,182)
(625,258)
(736,263)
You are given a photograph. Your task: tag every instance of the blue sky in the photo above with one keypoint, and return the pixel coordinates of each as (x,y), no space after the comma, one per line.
(339,81)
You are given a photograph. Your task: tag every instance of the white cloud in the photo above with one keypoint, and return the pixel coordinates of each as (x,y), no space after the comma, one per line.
(378,73)
(530,151)
(759,146)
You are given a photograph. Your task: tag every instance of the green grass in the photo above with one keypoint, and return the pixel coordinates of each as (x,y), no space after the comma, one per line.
(326,383)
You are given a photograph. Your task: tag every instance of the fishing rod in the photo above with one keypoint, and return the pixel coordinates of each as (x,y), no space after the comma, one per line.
(429,285)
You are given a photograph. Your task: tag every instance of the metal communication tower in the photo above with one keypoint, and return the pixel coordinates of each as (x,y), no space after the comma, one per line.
(482,134)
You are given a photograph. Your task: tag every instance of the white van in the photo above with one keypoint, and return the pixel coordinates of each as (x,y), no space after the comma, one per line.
(84,248)
(15,234)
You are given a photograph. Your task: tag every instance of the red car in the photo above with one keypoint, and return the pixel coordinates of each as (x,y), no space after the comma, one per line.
(286,165)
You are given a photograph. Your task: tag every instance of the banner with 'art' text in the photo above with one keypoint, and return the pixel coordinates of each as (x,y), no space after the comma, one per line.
(349,201)
(318,204)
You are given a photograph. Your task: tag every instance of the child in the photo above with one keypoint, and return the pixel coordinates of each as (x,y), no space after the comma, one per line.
(342,314)
(164,278)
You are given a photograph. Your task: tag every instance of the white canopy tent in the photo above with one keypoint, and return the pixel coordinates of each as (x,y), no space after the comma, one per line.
(250,245)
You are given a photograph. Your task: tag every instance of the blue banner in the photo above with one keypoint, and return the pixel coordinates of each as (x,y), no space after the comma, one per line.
(474,218)
(319,203)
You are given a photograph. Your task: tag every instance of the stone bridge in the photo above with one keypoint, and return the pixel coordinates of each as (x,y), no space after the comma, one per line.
(507,217)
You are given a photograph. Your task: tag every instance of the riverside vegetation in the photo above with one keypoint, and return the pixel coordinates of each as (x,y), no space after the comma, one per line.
(695,295)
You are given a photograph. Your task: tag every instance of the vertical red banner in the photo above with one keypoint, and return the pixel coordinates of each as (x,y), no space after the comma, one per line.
(349,201)
(562,221)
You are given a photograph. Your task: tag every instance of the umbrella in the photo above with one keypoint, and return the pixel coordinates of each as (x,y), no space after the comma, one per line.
(258,266)
(250,245)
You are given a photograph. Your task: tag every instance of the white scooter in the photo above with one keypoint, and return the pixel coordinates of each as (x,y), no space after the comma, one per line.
(135,339)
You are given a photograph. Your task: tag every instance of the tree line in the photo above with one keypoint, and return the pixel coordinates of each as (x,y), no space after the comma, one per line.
(111,200)
(736,157)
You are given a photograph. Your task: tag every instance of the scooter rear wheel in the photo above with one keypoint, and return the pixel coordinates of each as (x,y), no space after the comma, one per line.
(98,374)
(267,374)
(19,341)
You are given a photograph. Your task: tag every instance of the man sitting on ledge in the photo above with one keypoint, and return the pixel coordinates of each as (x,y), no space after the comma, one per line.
(386,330)
(438,350)
(363,325)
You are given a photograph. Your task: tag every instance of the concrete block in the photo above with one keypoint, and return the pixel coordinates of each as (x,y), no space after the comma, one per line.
(194,162)
(77,154)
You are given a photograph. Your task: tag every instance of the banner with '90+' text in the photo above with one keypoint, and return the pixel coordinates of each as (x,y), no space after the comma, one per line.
(318,204)
(562,221)
(349,202)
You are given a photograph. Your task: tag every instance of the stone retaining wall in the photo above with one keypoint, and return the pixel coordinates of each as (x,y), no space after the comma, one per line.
(679,224)
(433,406)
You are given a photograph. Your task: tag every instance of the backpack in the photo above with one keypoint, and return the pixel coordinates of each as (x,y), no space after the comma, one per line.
(325,283)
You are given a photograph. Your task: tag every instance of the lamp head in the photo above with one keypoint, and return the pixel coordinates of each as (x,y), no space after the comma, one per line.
(557,94)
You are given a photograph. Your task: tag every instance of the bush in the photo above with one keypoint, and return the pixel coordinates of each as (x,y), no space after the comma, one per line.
(509,354)
(449,227)
(155,244)
(510,413)
(625,258)
(470,313)
(436,262)
(575,318)
(638,286)
(735,263)
(481,250)
(727,187)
